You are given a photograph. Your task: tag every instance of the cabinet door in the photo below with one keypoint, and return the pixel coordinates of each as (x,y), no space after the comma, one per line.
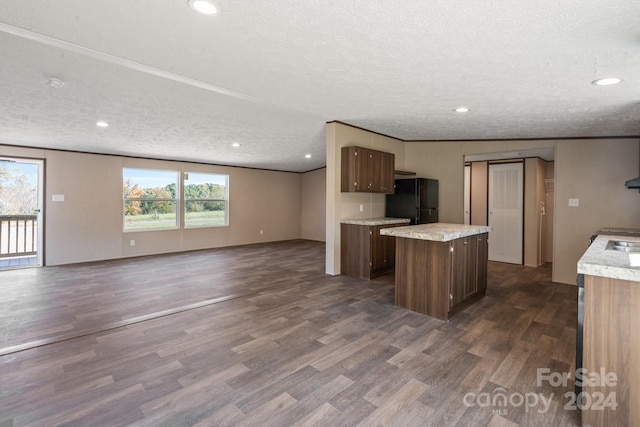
(377,248)
(386,170)
(390,251)
(481,263)
(458,272)
(383,248)
(355,247)
(369,176)
(365,170)
(470,256)
(356,164)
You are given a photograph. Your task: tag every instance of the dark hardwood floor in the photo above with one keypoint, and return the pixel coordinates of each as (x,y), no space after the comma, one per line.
(258,335)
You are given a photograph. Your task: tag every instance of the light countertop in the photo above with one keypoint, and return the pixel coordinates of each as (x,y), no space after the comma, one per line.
(376,221)
(599,261)
(439,232)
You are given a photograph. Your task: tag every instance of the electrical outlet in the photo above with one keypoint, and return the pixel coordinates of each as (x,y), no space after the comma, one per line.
(574,203)
(132,242)
(261,231)
(361,208)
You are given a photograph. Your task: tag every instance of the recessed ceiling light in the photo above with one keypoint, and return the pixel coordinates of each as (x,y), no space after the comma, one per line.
(102,124)
(235,145)
(307,156)
(55,83)
(607,81)
(203,6)
(462,110)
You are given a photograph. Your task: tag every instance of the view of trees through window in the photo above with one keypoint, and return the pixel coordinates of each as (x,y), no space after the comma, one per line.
(18,188)
(18,205)
(205,199)
(151,198)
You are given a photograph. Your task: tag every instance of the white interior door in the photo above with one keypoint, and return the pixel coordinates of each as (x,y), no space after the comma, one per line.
(467,194)
(506,208)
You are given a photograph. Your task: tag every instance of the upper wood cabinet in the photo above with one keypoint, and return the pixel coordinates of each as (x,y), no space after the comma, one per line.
(367,171)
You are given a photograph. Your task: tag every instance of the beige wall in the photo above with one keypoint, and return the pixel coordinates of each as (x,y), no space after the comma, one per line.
(592,170)
(347,205)
(479,192)
(87,226)
(313,205)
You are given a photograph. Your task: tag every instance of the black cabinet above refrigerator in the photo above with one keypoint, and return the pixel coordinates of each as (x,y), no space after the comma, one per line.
(415,199)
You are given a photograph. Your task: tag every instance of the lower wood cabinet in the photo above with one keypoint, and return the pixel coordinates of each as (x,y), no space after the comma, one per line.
(364,253)
(440,278)
(611,352)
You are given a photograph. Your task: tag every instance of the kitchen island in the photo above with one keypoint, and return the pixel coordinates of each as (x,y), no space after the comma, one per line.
(440,268)
(611,331)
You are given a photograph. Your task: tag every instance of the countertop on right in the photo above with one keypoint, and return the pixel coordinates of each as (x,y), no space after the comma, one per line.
(603,262)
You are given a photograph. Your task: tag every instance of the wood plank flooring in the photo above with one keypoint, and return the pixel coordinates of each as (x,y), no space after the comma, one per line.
(289,346)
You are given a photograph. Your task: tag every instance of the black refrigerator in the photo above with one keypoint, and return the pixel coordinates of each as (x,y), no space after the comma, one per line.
(416,199)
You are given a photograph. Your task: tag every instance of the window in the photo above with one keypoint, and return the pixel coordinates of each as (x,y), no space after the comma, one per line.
(150,199)
(205,200)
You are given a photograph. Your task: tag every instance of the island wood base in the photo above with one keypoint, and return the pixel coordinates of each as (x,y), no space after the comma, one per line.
(440,278)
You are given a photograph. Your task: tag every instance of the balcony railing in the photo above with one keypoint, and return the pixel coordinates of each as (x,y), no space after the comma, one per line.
(18,235)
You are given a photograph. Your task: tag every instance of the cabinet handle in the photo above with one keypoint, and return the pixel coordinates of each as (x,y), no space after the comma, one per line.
(450,248)
(450,296)
(466,243)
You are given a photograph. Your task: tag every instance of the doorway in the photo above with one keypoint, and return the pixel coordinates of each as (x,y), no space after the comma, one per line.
(538,204)
(21,212)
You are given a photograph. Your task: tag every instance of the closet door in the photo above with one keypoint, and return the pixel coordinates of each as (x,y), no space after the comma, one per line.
(506,210)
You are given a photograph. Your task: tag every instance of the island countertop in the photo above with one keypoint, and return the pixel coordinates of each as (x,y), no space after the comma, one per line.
(603,262)
(375,221)
(439,231)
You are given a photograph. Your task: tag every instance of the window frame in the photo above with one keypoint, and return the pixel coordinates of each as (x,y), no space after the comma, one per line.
(175,200)
(185,199)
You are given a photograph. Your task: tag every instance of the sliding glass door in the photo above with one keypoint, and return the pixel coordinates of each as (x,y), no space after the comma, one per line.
(21,212)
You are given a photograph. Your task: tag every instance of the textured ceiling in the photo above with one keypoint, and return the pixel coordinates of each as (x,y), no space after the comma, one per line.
(268,74)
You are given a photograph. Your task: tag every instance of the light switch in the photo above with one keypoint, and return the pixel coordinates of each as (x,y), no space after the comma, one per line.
(574,203)
(361,208)
(57,198)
